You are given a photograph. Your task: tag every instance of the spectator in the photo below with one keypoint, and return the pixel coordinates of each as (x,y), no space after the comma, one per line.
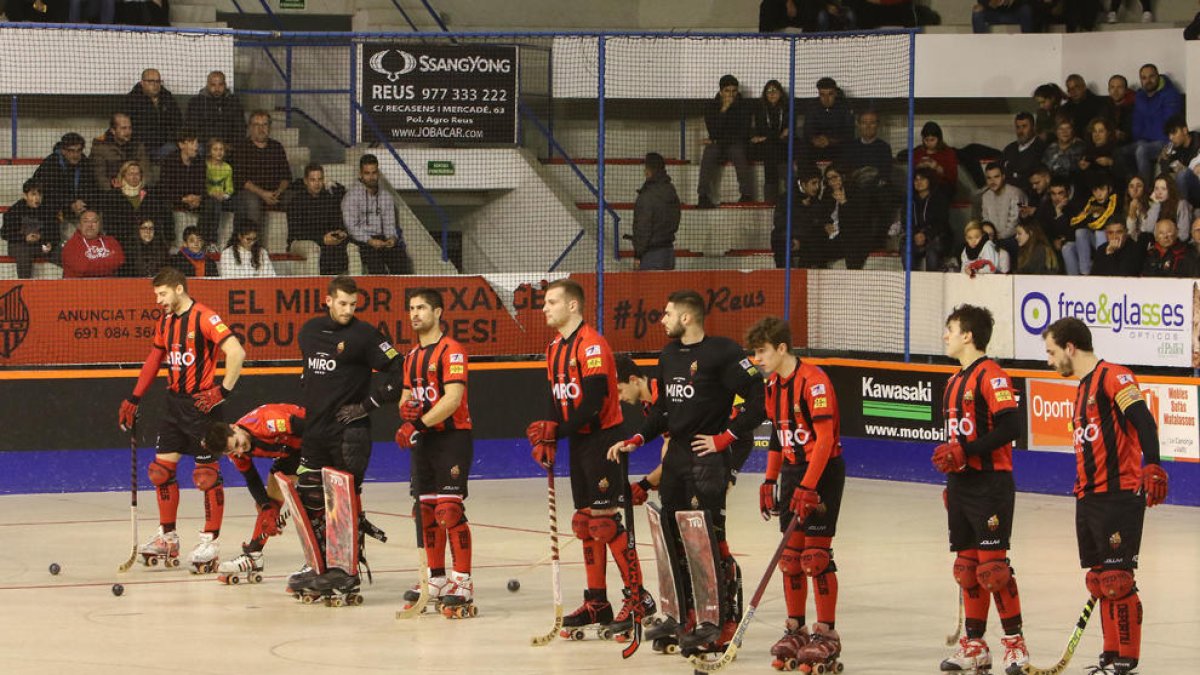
(1157,102)
(655,217)
(91,254)
(155,115)
(1000,204)
(1103,207)
(1178,157)
(935,155)
(979,255)
(67,178)
(191,258)
(30,229)
(98,11)
(871,14)
(1166,204)
(1167,256)
(314,220)
(182,182)
(1035,254)
(1082,106)
(988,13)
(149,255)
(1005,264)
(143,13)
(244,255)
(828,123)
(1192,32)
(809,217)
(1063,155)
(728,123)
(35,11)
(1099,152)
(1111,16)
(1137,209)
(930,222)
(869,157)
(1038,196)
(1121,108)
(260,170)
(843,216)
(218,181)
(1049,98)
(216,112)
(113,149)
(1080,15)
(1119,256)
(369,214)
(1055,220)
(1023,155)
(779,15)
(1195,243)
(769,126)
(131,205)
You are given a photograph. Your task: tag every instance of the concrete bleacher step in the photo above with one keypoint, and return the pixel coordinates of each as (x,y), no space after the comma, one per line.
(192,13)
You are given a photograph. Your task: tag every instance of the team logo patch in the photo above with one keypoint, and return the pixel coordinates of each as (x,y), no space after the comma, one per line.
(796,408)
(455,472)
(695,503)
(603,485)
(433,367)
(593,350)
(572,363)
(341,347)
(817,390)
(594,363)
(820,402)
(456,370)
(1125,379)
(14,321)
(693,368)
(214,319)
(993,523)
(748,367)
(271,425)
(1114,540)
(1002,396)
(221,328)
(280,425)
(456,358)
(999,383)
(968,397)
(191,335)
(1091,400)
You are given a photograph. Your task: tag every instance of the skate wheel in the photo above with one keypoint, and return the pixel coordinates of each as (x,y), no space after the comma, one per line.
(235,580)
(257,578)
(356,600)
(174,562)
(839,667)
(473,611)
(307,599)
(577,635)
(605,634)
(154,562)
(672,649)
(789,664)
(820,669)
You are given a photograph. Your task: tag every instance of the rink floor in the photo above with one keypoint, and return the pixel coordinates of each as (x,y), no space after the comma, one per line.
(897,599)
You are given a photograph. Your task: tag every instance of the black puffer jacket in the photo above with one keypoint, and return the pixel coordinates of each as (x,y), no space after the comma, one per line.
(655,214)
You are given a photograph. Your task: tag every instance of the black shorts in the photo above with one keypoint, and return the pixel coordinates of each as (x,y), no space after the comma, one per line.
(597,483)
(980,510)
(350,451)
(441,462)
(830,487)
(1109,529)
(183,427)
(691,482)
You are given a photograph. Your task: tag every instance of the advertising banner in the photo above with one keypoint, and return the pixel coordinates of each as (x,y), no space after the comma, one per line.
(897,405)
(439,93)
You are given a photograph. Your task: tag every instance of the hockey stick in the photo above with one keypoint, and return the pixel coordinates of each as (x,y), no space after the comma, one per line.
(952,640)
(555,568)
(422,564)
(634,580)
(1072,643)
(133,490)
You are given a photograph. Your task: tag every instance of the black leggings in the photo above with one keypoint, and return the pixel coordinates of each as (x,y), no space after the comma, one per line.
(1116,5)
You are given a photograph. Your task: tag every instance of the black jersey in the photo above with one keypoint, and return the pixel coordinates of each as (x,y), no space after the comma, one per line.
(338,361)
(697,385)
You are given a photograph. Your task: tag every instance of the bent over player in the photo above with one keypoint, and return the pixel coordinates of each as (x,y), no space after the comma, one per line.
(1114,432)
(806,453)
(585,409)
(980,409)
(437,428)
(187,338)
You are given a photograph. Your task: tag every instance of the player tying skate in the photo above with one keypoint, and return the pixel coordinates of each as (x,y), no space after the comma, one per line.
(1114,432)
(187,338)
(584,409)
(700,376)
(437,428)
(980,410)
(805,456)
(272,430)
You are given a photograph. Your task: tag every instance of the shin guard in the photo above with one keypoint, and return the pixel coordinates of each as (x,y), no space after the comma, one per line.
(433,537)
(166,491)
(452,520)
(995,574)
(207,477)
(976,600)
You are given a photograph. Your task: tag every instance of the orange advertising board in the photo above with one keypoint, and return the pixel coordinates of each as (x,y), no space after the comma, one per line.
(1049,405)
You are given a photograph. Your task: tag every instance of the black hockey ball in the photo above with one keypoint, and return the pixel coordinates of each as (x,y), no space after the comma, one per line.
(514,585)
(118,589)
(54,568)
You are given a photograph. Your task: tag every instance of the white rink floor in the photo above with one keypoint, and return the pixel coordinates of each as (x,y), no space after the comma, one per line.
(897,599)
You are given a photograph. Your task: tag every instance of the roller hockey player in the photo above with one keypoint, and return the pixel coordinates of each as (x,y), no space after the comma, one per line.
(584,409)
(437,428)
(805,455)
(187,338)
(982,421)
(1114,432)
(700,376)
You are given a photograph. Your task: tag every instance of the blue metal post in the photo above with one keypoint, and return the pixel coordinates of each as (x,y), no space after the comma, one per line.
(353,92)
(908,203)
(287,101)
(791,182)
(600,187)
(12,113)
(682,133)
(550,100)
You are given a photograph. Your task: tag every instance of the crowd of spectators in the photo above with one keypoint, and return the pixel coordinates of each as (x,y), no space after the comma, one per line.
(123,12)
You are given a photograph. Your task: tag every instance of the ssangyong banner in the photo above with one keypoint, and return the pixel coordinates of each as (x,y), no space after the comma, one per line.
(1133,321)
(892,404)
(438,93)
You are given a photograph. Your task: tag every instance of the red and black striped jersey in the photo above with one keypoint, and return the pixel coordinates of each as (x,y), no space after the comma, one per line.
(974,397)
(1108,454)
(191,341)
(273,433)
(427,371)
(571,360)
(793,403)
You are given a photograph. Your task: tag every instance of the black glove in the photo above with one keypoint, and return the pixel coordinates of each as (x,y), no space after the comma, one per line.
(356,411)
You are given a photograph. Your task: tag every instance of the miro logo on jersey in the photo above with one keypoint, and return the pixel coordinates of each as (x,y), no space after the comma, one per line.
(176,358)
(565,390)
(679,390)
(425,393)
(792,438)
(319,364)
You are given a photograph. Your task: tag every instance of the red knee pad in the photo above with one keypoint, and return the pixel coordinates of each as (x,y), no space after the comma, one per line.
(1092,581)
(964,572)
(791,562)
(604,528)
(161,473)
(1116,584)
(449,513)
(993,575)
(579,525)
(815,561)
(206,476)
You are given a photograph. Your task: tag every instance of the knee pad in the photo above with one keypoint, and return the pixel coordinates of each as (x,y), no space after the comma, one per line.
(160,474)
(816,561)
(790,563)
(449,513)
(1092,581)
(964,572)
(993,575)
(579,525)
(311,490)
(1116,584)
(604,528)
(206,477)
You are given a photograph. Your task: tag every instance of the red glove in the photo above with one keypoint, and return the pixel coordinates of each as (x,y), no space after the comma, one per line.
(542,431)
(767,505)
(640,491)
(805,502)
(949,458)
(207,399)
(410,412)
(127,414)
(270,521)
(1154,484)
(406,435)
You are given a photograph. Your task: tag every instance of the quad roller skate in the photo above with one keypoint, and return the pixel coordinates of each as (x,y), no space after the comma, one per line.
(591,617)
(663,636)
(642,609)
(335,588)
(458,600)
(436,588)
(299,579)
(786,652)
(972,657)
(162,548)
(820,656)
(1016,655)
(246,567)
(704,639)
(204,559)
